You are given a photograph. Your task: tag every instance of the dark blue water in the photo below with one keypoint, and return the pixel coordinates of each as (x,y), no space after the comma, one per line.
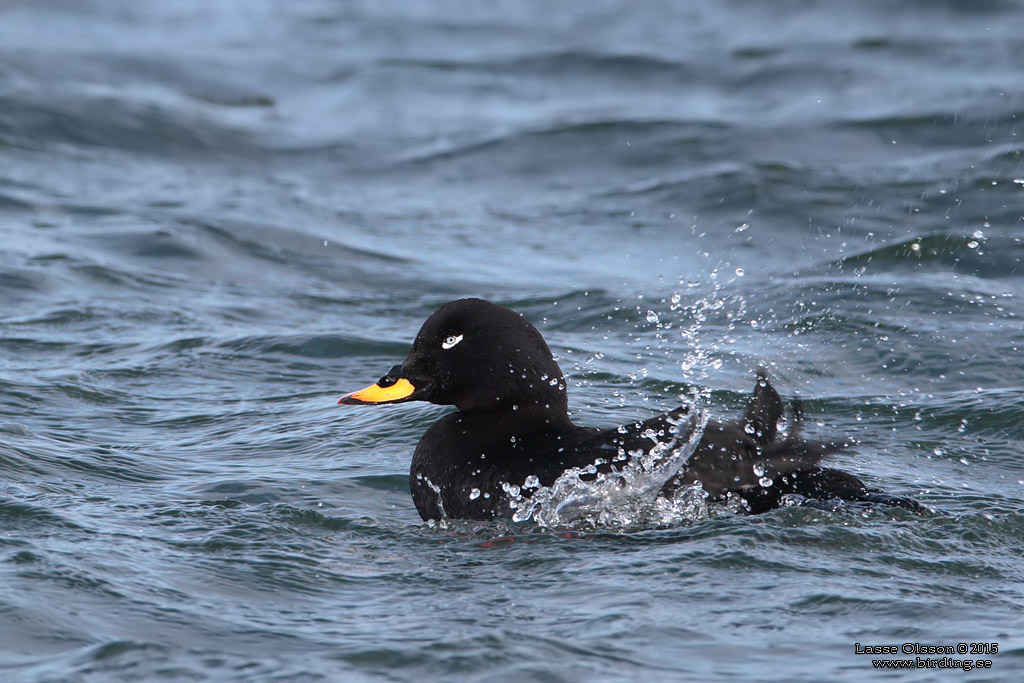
(217,216)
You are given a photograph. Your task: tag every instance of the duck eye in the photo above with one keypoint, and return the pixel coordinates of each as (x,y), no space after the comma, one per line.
(450,341)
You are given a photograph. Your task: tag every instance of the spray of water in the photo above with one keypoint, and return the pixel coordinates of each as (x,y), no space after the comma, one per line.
(625,499)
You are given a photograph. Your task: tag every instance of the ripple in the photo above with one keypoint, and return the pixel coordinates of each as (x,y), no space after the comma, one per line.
(18,514)
(23,279)
(578,63)
(548,140)
(315,346)
(107,122)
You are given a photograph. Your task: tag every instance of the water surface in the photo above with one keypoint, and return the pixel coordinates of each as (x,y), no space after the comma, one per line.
(215,217)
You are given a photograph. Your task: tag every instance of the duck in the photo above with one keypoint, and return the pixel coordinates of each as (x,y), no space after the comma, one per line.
(511,432)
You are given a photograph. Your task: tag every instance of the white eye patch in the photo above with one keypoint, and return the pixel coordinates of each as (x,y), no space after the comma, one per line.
(450,341)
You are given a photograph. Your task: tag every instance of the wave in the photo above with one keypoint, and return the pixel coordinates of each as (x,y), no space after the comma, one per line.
(38,123)
(975,255)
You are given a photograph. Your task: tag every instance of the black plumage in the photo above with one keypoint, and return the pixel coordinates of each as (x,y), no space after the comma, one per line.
(512,427)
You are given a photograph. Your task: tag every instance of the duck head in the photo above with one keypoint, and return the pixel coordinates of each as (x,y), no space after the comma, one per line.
(474,355)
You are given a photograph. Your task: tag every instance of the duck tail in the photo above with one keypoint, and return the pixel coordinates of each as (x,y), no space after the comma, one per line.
(765,409)
(797,407)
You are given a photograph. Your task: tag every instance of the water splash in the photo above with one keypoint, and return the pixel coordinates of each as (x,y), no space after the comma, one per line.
(625,499)
(699,354)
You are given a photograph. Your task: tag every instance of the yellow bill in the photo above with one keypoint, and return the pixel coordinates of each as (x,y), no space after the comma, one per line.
(397,390)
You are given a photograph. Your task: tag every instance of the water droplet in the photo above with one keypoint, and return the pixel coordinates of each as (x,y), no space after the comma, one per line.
(739,272)
(973,244)
(474,494)
(531,482)
(652,317)
(759,468)
(963,461)
(937,451)
(765,482)
(748,428)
